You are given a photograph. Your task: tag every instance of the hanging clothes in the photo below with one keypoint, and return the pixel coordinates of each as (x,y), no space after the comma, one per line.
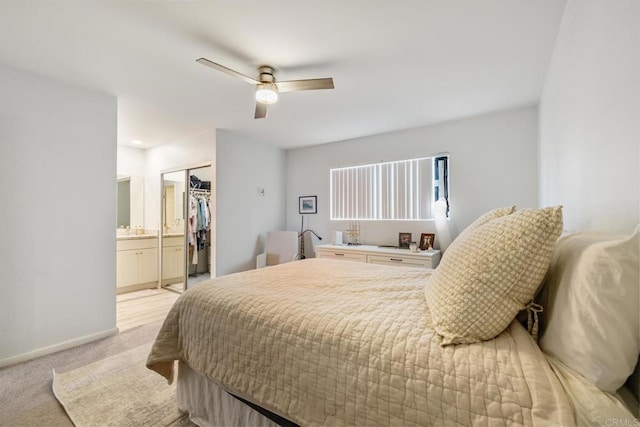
(199,222)
(203,224)
(193,229)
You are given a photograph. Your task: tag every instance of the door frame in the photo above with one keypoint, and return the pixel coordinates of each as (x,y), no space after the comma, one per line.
(185,210)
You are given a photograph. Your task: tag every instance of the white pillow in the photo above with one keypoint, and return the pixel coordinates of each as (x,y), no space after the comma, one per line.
(592,313)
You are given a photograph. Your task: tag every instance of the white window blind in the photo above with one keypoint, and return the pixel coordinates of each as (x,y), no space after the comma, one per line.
(391,190)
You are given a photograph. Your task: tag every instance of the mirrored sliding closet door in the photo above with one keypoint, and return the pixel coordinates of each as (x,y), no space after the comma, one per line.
(186,227)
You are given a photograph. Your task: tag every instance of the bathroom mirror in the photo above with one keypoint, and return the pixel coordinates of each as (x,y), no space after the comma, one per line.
(130,202)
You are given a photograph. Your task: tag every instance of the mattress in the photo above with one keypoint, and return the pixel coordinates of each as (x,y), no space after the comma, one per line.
(324,342)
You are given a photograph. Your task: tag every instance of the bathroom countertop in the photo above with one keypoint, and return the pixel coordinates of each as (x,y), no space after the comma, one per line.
(136,236)
(173,235)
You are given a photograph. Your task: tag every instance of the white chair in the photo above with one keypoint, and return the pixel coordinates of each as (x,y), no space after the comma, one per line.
(280,247)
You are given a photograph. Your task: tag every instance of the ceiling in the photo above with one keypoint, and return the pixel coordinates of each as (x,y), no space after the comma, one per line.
(395,65)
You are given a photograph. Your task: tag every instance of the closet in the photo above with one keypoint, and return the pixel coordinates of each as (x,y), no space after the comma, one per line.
(199,233)
(187,219)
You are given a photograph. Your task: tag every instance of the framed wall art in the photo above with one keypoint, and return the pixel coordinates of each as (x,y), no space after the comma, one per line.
(308,204)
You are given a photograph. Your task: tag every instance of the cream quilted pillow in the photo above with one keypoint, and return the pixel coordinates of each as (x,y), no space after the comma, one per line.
(490,272)
(483,219)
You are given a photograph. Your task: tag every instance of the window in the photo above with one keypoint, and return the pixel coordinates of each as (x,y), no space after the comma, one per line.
(402,190)
(441,179)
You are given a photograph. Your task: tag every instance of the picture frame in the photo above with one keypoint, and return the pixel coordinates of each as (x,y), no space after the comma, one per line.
(427,241)
(404,239)
(308,204)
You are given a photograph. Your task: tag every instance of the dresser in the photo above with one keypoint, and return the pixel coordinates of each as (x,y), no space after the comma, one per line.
(380,255)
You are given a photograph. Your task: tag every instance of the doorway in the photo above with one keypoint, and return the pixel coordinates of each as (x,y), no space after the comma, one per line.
(187,218)
(199,225)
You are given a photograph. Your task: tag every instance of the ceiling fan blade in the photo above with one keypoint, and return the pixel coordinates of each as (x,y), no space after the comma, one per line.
(261,110)
(310,84)
(229,71)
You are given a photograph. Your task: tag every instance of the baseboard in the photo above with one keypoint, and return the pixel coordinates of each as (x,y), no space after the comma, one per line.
(56,347)
(138,287)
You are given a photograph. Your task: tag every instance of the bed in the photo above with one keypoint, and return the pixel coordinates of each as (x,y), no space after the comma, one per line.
(327,342)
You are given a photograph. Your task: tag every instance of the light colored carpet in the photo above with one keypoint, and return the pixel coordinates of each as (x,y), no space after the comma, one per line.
(118,391)
(26,398)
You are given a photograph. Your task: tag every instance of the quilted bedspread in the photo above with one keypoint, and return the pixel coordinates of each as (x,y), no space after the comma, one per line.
(326,342)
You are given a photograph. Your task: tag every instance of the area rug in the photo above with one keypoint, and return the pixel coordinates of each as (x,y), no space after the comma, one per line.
(119,391)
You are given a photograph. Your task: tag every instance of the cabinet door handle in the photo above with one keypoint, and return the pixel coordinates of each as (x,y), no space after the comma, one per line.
(339,254)
(396,259)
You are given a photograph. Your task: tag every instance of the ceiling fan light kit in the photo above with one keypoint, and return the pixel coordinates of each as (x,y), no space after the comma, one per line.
(267,87)
(267,93)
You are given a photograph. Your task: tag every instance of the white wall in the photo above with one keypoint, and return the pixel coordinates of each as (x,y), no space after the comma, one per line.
(58,215)
(493,163)
(590,117)
(244,216)
(130,161)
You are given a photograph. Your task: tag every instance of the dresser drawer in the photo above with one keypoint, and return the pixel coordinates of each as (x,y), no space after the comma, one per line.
(399,261)
(347,256)
(380,255)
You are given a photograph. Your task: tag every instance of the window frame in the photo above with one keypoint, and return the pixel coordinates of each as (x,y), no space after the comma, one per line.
(436,179)
(436,187)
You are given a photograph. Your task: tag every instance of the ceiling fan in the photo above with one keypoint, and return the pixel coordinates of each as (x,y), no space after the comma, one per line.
(267,87)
